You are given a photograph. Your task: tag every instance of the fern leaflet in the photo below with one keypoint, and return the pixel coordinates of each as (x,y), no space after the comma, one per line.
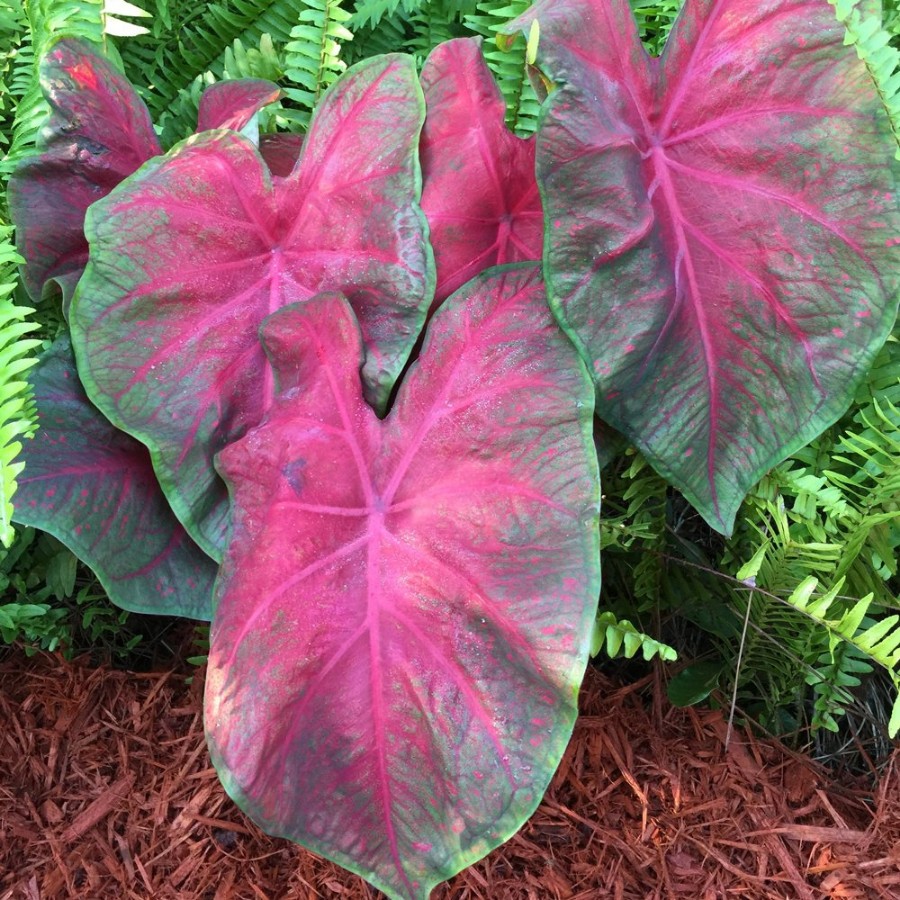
(620,638)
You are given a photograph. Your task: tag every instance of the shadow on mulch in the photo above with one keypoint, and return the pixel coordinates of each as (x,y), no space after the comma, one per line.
(107,792)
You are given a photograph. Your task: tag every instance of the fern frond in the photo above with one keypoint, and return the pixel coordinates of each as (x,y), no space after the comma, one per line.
(655,19)
(832,678)
(620,638)
(388,36)
(263,61)
(877,640)
(371,12)
(508,66)
(429,28)
(13,31)
(313,54)
(116,15)
(17,412)
(873,45)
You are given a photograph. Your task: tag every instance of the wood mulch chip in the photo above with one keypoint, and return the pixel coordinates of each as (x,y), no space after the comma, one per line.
(106,791)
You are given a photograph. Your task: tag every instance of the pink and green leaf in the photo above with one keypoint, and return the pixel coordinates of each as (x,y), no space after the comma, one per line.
(721,237)
(404,611)
(93,488)
(232,104)
(479,190)
(98,134)
(281,152)
(197,248)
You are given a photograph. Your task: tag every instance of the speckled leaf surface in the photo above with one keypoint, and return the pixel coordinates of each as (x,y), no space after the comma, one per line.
(93,488)
(232,104)
(721,228)
(479,190)
(199,246)
(99,133)
(404,612)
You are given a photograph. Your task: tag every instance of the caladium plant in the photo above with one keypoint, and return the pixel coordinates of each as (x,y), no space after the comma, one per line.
(197,248)
(721,228)
(436,571)
(410,563)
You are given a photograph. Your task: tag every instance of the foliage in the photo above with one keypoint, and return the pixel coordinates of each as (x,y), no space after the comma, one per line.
(313,55)
(378,260)
(480,632)
(619,637)
(682,260)
(810,564)
(48,21)
(507,63)
(49,602)
(17,415)
(466,110)
(872,39)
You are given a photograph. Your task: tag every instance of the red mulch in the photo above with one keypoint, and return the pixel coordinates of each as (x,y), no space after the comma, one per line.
(106,791)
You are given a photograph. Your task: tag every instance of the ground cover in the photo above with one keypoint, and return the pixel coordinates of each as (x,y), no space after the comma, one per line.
(111,795)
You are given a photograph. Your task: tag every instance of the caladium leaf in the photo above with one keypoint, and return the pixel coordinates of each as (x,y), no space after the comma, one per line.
(232,104)
(99,132)
(195,250)
(281,152)
(93,487)
(405,609)
(479,190)
(721,228)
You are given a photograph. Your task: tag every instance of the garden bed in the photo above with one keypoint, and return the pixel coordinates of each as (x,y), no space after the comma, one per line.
(108,792)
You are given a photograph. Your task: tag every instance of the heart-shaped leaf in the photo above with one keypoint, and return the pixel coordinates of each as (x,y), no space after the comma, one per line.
(99,132)
(195,250)
(479,190)
(405,609)
(721,228)
(93,487)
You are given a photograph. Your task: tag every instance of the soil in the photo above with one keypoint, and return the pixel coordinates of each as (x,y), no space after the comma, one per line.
(106,791)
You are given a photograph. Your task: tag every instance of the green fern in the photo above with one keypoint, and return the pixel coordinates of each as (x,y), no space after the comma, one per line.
(836,673)
(117,16)
(17,412)
(388,36)
(371,12)
(655,20)
(620,638)
(13,31)
(313,54)
(863,23)
(878,640)
(430,26)
(190,39)
(263,61)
